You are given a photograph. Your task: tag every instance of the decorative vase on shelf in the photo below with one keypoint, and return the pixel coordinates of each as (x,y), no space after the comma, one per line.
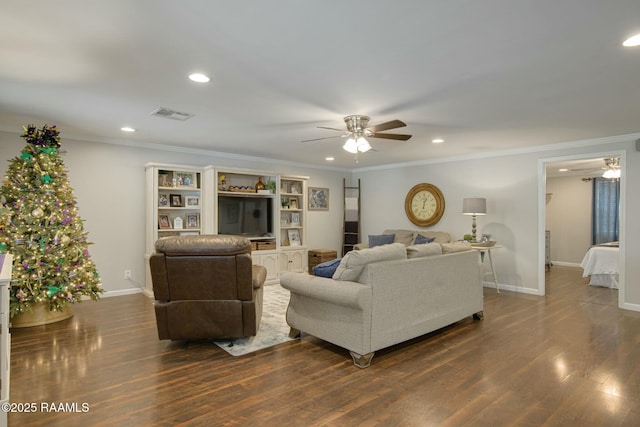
(260,185)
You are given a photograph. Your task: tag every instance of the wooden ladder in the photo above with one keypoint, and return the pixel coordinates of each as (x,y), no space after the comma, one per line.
(351,227)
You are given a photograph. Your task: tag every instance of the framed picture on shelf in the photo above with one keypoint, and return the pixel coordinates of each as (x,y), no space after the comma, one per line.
(294,237)
(164,222)
(193,220)
(295,218)
(175,200)
(186,179)
(192,201)
(318,198)
(293,203)
(163,200)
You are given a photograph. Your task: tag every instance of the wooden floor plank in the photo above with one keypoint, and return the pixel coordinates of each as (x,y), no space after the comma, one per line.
(568,358)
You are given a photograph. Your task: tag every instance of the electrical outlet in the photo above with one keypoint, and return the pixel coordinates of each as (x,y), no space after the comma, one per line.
(127,274)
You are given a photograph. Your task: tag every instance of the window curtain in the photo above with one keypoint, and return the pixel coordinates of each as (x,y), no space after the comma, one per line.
(606,203)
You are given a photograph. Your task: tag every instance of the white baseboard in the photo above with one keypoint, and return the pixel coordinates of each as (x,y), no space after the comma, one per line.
(565,264)
(121,292)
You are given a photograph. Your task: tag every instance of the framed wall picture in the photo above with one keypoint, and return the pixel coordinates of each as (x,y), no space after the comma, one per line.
(164,222)
(294,237)
(318,198)
(192,201)
(175,200)
(186,179)
(193,220)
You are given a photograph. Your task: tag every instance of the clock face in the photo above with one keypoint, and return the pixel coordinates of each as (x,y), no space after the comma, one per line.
(424,205)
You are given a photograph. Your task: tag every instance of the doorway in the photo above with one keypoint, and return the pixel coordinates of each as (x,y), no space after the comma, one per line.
(578,170)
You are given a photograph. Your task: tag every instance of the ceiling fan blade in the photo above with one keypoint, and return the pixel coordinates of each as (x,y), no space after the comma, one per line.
(325,127)
(393,124)
(319,139)
(397,136)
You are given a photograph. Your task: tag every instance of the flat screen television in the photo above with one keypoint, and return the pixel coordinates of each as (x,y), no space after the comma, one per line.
(245,216)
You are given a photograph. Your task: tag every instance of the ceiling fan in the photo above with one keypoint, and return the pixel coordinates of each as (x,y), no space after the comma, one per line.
(611,169)
(357,131)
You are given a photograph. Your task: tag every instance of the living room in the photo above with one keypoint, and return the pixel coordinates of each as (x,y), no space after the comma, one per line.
(107,171)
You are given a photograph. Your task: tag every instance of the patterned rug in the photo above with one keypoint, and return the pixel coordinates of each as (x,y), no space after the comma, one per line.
(273,326)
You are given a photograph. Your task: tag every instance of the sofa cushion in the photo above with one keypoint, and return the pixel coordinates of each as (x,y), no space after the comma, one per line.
(327,268)
(353,262)
(427,249)
(421,240)
(381,239)
(406,237)
(452,247)
(440,236)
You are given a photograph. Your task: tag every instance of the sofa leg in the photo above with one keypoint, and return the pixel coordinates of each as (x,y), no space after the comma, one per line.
(362,360)
(479,315)
(294,333)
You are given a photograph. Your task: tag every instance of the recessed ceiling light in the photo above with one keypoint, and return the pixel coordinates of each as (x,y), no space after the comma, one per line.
(632,41)
(127,129)
(563,170)
(199,78)
(437,141)
(329,159)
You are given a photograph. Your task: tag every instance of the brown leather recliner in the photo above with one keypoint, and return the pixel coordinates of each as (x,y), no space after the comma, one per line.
(206,287)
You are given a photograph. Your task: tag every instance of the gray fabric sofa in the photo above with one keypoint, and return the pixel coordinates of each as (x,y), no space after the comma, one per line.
(407,237)
(382,298)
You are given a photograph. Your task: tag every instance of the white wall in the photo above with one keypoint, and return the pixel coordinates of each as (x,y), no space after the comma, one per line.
(109,186)
(569,218)
(512,184)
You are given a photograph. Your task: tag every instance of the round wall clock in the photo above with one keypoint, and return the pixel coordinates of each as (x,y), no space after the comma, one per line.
(424,205)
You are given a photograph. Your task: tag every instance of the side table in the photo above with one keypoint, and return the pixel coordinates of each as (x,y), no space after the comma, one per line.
(318,256)
(487,249)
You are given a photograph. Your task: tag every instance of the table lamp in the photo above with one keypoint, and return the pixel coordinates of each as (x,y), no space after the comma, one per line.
(474,206)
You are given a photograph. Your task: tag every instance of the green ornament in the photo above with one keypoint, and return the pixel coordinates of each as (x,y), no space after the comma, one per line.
(49,150)
(42,244)
(26,156)
(3,248)
(46,179)
(52,291)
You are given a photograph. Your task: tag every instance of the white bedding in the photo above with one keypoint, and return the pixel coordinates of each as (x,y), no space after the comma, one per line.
(602,264)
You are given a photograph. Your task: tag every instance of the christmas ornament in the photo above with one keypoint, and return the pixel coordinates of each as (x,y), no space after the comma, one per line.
(37,213)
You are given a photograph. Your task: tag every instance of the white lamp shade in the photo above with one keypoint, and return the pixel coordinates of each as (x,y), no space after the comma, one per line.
(351,146)
(474,206)
(363,145)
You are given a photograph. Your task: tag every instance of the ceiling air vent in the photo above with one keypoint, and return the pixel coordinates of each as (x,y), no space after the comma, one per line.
(168,113)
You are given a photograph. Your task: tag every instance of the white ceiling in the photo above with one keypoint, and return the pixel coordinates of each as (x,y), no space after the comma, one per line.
(484,75)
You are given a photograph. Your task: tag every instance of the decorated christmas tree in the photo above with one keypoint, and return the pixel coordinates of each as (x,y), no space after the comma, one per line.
(42,229)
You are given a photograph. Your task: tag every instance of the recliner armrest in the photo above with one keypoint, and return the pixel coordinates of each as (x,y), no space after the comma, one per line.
(258,276)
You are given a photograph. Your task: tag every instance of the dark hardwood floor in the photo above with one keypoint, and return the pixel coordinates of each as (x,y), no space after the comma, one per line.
(570,358)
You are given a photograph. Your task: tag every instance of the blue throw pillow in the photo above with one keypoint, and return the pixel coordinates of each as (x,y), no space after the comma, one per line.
(382,239)
(421,240)
(326,269)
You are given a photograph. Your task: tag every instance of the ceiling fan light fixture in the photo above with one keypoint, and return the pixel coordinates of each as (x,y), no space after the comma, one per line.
(611,174)
(350,146)
(363,145)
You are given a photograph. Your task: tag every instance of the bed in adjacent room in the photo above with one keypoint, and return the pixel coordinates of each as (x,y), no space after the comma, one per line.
(602,263)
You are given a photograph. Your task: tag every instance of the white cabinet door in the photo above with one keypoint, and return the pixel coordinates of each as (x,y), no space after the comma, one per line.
(268,261)
(292,260)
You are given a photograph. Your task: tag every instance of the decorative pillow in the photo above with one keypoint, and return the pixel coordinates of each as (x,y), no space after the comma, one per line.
(421,240)
(405,237)
(353,262)
(422,250)
(448,248)
(382,239)
(326,269)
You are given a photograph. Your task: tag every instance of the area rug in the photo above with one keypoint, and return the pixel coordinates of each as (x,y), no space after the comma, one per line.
(273,326)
